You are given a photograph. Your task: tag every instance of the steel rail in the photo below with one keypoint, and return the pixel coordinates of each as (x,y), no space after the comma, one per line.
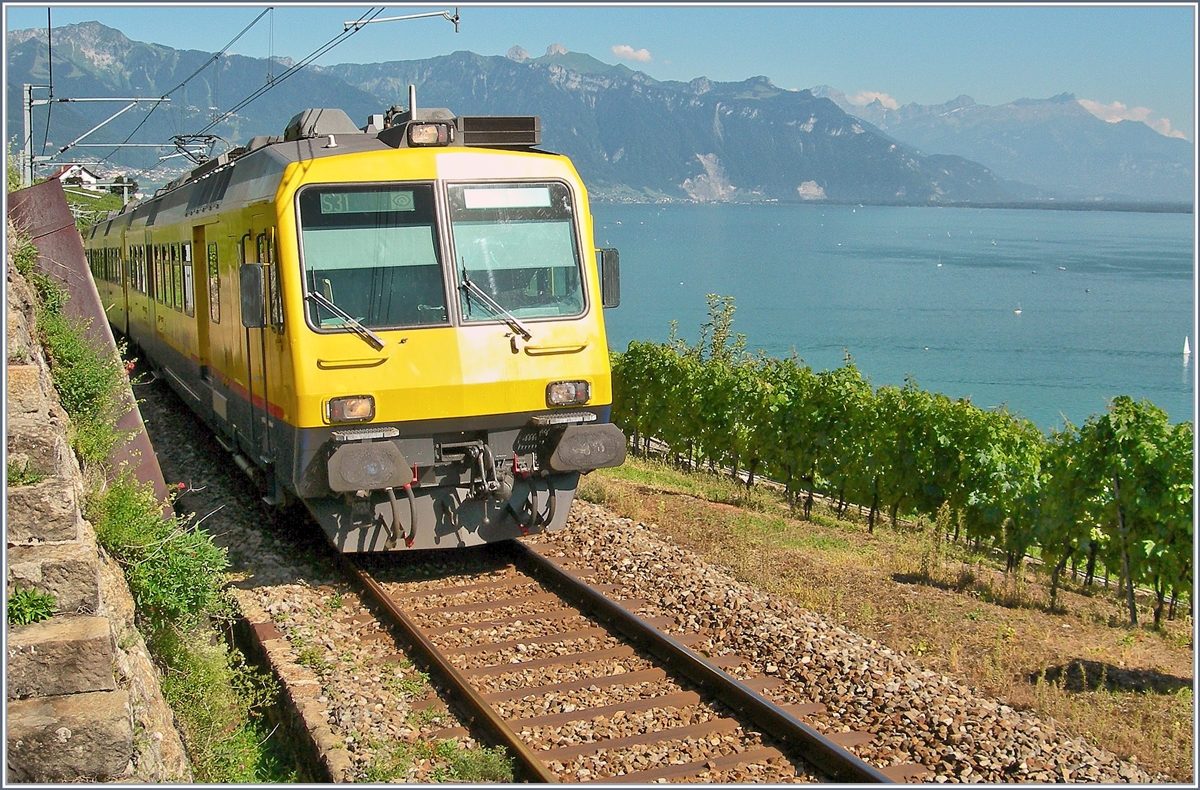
(814,747)
(481,712)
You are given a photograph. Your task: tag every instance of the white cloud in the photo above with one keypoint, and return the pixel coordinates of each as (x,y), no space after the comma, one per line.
(1120,112)
(626,52)
(863,98)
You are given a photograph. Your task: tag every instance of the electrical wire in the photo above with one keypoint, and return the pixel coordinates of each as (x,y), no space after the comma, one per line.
(190,77)
(326,47)
(50,69)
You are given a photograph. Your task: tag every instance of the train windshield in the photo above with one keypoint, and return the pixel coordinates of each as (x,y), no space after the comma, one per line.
(516,242)
(372,252)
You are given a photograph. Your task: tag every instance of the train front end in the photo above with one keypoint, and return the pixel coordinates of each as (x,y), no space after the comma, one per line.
(451,370)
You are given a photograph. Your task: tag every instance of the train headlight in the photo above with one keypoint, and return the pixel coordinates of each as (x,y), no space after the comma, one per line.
(568,393)
(353,408)
(430,134)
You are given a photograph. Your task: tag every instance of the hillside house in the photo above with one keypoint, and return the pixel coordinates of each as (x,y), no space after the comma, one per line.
(78,176)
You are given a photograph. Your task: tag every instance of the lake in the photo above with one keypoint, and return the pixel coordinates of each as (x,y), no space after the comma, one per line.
(1051,313)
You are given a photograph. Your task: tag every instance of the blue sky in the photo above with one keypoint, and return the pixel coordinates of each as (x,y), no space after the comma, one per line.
(1135,61)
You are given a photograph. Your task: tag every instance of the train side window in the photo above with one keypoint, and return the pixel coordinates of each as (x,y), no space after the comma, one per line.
(276,311)
(168,289)
(264,245)
(189,283)
(156,264)
(214,285)
(177,277)
(189,302)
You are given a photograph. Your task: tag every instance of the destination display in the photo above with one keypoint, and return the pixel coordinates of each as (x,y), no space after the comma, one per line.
(366,202)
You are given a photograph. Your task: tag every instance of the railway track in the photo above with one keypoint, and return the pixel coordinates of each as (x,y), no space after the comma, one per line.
(578,687)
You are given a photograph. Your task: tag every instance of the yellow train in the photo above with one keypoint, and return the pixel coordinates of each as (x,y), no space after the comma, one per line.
(401,325)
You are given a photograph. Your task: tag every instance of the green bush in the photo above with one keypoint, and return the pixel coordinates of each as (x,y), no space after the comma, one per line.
(29,606)
(174,572)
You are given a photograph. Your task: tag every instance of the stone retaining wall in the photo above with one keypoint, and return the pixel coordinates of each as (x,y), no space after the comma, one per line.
(84,701)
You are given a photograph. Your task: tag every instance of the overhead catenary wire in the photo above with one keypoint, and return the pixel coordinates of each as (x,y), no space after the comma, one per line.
(326,47)
(50,73)
(189,78)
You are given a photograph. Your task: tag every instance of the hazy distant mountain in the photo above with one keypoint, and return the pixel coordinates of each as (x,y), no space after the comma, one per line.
(1054,144)
(628,134)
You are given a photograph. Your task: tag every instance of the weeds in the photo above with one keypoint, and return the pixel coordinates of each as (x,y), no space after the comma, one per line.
(398,761)
(403,679)
(89,383)
(175,573)
(29,606)
(312,656)
(22,475)
(24,254)
(217,699)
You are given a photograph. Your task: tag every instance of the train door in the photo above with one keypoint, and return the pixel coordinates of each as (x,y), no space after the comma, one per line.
(199,260)
(256,323)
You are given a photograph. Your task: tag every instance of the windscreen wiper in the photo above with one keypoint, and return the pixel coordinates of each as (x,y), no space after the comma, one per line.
(493,305)
(373,340)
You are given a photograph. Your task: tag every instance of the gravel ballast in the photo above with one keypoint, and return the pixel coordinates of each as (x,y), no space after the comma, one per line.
(358,681)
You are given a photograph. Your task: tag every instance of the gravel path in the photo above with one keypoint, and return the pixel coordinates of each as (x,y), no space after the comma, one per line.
(370,694)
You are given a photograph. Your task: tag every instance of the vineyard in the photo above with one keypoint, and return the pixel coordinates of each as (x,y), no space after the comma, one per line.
(1115,492)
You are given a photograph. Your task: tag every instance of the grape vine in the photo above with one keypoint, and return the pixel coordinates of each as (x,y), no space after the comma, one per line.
(1117,489)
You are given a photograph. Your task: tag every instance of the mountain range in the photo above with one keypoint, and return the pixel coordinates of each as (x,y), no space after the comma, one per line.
(630,136)
(1054,144)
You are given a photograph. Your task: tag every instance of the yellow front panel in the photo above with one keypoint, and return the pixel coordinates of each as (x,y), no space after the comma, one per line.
(442,372)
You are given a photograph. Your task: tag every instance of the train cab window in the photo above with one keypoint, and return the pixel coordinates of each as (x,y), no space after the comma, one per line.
(516,241)
(372,251)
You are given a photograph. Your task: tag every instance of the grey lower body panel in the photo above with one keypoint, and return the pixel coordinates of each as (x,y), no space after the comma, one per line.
(446,516)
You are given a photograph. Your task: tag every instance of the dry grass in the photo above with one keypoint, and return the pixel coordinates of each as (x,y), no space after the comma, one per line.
(949,610)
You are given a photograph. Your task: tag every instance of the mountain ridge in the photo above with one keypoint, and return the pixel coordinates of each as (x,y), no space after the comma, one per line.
(630,136)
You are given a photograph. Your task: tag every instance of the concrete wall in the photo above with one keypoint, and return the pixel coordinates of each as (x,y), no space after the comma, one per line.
(84,701)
